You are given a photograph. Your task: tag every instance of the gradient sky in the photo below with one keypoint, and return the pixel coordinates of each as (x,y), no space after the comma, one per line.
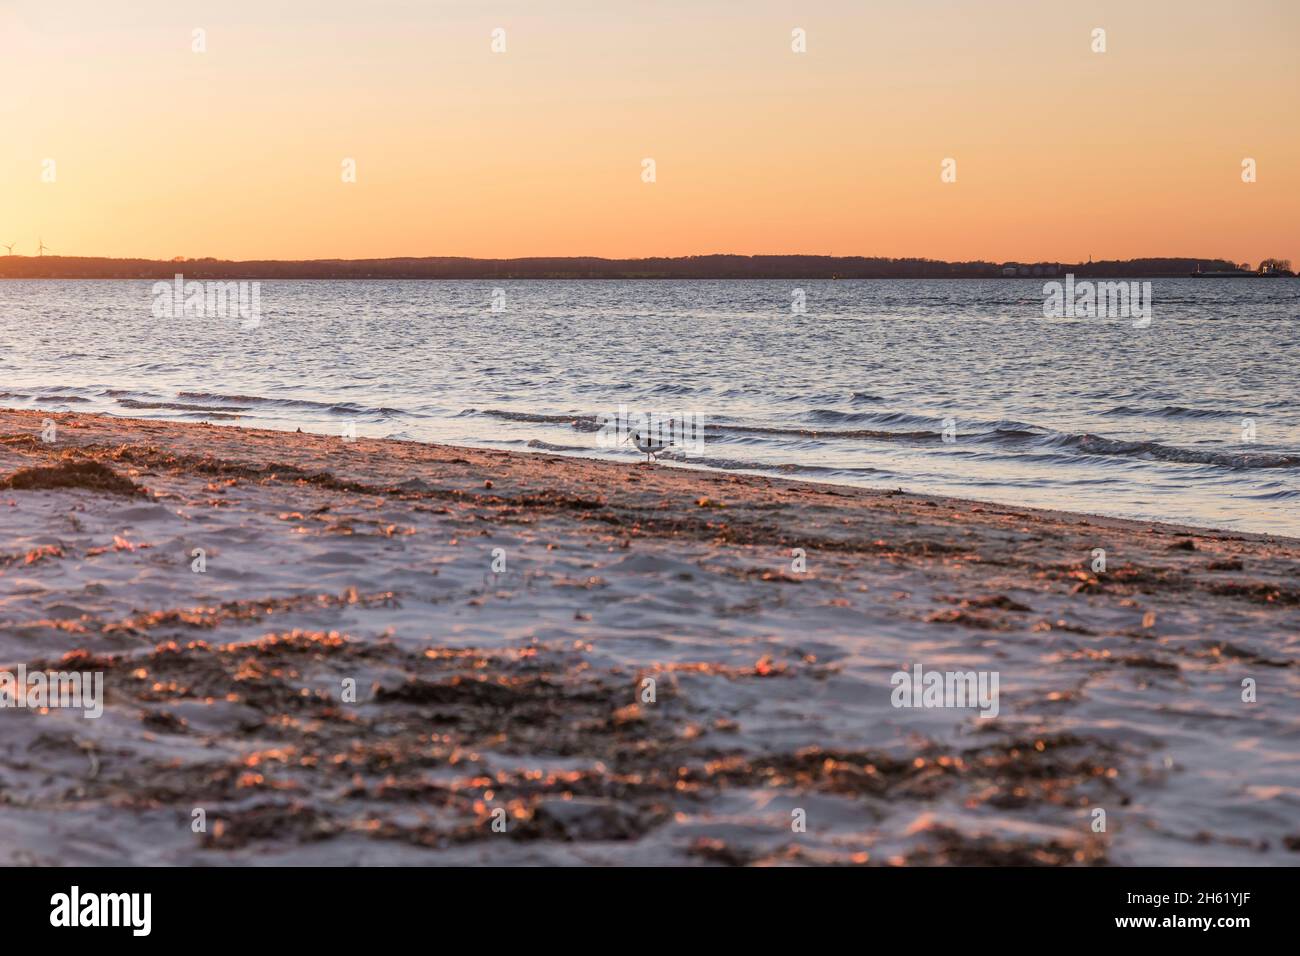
(1061,153)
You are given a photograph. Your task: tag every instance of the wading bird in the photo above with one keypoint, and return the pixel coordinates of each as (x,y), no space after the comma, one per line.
(649,445)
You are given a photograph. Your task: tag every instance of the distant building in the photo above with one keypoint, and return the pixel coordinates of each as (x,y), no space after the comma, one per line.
(1009,271)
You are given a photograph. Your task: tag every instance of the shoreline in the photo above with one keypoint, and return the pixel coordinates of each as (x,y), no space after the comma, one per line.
(522,689)
(758,471)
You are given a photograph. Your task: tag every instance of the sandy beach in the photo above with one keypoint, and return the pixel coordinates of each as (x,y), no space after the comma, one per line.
(504,617)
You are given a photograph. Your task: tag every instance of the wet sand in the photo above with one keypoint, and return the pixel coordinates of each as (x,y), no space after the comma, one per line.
(521,689)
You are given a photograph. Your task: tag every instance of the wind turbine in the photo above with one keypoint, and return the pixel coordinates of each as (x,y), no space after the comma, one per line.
(10,247)
(40,250)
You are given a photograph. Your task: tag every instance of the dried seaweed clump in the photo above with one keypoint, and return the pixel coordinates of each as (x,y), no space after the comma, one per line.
(91,475)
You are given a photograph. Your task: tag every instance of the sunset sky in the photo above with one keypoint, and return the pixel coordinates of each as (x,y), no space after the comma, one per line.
(1061,153)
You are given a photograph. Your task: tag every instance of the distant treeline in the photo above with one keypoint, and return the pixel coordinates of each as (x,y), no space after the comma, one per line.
(686,267)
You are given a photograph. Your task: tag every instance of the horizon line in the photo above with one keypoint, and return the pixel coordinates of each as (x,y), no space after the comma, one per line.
(622,259)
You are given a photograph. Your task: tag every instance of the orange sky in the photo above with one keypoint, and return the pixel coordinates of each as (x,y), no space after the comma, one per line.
(1061,153)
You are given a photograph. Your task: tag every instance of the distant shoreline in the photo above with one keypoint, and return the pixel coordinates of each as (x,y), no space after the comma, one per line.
(713,267)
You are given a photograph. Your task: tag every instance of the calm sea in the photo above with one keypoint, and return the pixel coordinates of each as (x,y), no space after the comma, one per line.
(957,387)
